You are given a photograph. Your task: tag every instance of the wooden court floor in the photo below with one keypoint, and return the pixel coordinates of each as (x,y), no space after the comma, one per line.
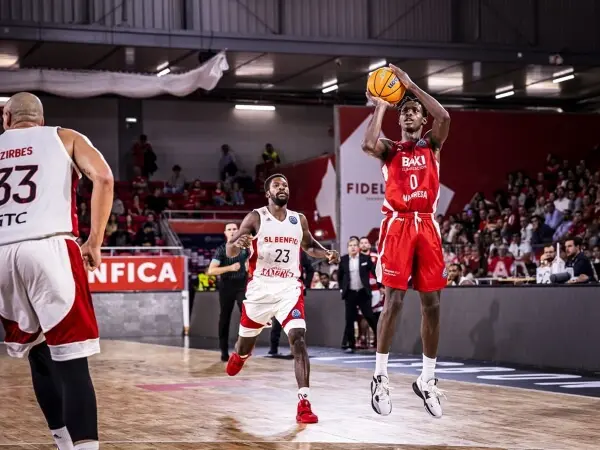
(158,397)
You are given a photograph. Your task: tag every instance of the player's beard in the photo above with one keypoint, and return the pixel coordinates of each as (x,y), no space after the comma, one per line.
(280,201)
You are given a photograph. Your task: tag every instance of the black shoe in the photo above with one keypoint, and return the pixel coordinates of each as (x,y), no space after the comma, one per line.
(273,352)
(224,357)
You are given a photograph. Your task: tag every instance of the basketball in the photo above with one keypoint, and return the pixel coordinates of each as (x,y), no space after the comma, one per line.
(384,84)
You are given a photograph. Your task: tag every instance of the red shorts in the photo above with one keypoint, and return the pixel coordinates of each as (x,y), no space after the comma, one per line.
(411,246)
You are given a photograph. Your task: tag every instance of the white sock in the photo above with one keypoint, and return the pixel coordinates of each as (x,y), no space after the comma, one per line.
(62,438)
(381,360)
(94,445)
(303,393)
(428,372)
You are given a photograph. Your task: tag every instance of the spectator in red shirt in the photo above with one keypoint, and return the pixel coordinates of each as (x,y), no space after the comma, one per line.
(139,182)
(500,264)
(189,201)
(578,227)
(219,195)
(199,194)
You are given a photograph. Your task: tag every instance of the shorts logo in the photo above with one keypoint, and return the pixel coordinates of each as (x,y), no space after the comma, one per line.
(445,273)
(293,220)
(296,314)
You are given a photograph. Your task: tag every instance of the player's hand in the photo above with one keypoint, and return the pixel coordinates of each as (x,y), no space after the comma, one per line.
(402,76)
(333,257)
(91,256)
(235,267)
(243,241)
(376,101)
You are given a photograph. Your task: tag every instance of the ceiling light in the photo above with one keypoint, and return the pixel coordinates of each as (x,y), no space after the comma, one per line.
(4,99)
(8,60)
(329,89)
(563,72)
(508,87)
(329,83)
(255,107)
(450,80)
(565,78)
(162,66)
(163,72)
(505,94)
(377,65)
(131,119)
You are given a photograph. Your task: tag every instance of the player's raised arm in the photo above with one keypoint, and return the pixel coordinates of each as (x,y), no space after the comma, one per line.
(91,162)
(243,237)
(371,144)
(313,248)
(441,118)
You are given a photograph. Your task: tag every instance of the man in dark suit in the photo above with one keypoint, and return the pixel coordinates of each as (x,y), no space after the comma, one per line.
(353,278)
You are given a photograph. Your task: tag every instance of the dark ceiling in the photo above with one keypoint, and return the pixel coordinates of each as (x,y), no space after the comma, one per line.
(300,78)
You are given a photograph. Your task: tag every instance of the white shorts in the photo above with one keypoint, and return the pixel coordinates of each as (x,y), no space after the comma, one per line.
(284,301)
(44,294)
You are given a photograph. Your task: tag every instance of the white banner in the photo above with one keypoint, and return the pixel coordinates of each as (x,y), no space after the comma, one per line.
(362,188)
(80,84)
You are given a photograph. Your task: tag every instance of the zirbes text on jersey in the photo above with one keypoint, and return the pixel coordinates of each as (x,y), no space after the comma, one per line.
(29,182)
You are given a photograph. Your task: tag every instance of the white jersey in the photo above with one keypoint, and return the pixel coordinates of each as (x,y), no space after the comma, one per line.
(275,255)
(38,179)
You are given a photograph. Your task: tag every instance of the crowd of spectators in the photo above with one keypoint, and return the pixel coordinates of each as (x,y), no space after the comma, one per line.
(505,236)
(139,202)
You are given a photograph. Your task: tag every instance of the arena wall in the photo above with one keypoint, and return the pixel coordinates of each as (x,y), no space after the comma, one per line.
(554,327)
(133,315)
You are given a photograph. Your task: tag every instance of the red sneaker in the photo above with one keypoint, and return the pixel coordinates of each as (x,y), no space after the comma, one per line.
(305,414)
(235,364)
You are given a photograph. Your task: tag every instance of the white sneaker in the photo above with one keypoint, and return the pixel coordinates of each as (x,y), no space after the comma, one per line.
(380,395)
(430,394)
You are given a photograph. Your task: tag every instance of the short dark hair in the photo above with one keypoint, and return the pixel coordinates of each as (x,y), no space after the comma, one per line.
(270,178)
(411,98)
(577,241)
(365,237)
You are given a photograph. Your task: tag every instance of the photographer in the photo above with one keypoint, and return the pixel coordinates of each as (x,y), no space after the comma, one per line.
(583,271)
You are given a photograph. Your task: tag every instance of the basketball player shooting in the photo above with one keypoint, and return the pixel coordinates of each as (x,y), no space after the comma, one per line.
(45,302)
(410,240)
(276,235)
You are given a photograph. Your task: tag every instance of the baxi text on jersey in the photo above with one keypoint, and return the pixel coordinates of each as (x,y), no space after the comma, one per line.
(7,220)
(414,163)
(276,272)
(365,188)
(281,240)
(15,153)
(416,194)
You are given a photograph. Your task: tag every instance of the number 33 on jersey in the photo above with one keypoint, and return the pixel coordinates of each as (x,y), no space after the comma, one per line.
(411,172)
(34,167)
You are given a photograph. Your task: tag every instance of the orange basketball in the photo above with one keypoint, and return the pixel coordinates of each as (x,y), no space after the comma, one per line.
(384,84)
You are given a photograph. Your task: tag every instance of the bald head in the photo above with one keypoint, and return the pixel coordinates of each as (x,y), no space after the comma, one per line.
(23,109)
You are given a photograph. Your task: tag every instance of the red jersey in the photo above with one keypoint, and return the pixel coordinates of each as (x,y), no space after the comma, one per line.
(412,180)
